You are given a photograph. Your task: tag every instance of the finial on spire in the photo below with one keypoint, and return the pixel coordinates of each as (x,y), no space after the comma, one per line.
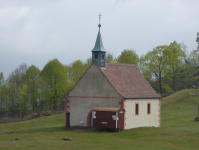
(99,20)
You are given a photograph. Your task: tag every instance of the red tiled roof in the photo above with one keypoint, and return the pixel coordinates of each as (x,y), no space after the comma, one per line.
(128,81)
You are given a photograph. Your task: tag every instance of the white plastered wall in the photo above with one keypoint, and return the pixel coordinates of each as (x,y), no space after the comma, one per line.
(143,119)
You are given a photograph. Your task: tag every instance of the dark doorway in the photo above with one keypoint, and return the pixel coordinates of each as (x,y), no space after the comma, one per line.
(68,120)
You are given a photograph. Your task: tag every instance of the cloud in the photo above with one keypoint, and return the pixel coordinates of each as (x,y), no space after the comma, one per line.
(11,15)
(36,31)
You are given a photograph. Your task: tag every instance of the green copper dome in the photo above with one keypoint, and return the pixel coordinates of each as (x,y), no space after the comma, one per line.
(98,44)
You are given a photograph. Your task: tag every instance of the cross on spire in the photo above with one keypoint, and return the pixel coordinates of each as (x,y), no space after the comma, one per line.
(99,20)
(99,17)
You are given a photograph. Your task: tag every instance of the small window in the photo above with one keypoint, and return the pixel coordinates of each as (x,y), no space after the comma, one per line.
(102,56)
(148,108)
(96,56)
(136,109)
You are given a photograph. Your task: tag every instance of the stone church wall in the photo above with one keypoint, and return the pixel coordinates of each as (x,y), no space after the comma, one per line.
(79,108)
(92,90)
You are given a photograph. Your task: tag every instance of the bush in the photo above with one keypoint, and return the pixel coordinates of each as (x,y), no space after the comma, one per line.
(196,119)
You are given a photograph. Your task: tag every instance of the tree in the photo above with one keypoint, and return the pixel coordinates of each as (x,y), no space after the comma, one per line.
(191,68)
(77,69)
(17,75)
(43,89)
(32,82)
(189,72)
(55,76)
(155,65)
(176,61)
(11,97)
(1,78)
(113,60)
(13,84)
(23,101)
(128,57)
(193,58)
(109,57)
(2,92)
(186,51)
(197,40)
(88,63)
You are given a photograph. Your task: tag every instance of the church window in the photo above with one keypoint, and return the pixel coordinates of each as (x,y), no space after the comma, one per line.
(102,56)
(148,108)
(136,109)
(96,56)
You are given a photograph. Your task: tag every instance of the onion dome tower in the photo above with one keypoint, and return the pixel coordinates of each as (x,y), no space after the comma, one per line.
(98,52)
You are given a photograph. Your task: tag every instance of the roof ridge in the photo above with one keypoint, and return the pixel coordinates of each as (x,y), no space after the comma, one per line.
(128,81)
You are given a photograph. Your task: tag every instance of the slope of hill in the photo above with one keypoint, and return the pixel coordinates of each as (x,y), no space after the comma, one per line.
(180,115)
(177,96)
(178,131)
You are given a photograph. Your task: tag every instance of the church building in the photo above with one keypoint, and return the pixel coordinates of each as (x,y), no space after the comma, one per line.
(113,85)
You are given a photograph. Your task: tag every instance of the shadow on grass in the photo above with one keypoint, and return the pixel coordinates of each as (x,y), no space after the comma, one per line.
(107,130)
(41,129)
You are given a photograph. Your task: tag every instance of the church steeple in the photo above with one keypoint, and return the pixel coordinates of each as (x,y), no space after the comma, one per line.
(98,44)
(98,52)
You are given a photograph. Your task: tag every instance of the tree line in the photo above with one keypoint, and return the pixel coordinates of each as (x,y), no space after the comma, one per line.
(167,68)
(28,89)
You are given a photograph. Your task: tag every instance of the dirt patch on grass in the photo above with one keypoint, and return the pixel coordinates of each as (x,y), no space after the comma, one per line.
(5,133)
(79,129)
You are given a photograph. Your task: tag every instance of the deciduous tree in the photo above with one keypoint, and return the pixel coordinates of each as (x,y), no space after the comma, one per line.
(128,57)
(55,75)
(77,69)
(32,86)
(109,57)
(2,92)
(88,63)
(197,40)
(193,58)
(155,65)
(13,84)
(176,61)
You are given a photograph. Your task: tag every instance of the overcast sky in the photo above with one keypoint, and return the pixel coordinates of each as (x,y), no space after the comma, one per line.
(36,31)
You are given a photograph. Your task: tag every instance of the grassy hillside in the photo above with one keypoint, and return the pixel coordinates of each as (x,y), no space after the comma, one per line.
(178,131)
(179,95)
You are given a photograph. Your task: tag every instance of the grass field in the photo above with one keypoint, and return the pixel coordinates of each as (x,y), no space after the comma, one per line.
(178,131)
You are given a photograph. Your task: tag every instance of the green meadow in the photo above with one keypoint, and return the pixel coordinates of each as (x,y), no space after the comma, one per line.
(178,131)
